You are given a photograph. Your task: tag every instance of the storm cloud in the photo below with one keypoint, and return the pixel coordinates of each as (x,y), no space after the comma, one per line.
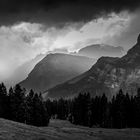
(61,12)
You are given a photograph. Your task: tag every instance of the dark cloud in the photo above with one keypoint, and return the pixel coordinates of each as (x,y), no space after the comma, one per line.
(60,12)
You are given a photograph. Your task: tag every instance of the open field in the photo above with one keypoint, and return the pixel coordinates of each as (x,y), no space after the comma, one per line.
(62,130)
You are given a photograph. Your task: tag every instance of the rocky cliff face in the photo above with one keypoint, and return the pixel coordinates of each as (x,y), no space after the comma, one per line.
(107,76)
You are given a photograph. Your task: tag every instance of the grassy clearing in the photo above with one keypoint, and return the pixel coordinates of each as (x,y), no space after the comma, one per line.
(62,130)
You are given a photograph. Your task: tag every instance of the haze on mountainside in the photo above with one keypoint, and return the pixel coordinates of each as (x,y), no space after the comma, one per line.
(22,71)
(108,75)
(55,69)
(33,27)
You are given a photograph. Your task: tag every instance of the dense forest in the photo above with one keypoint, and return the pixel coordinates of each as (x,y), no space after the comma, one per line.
(122,111)
(20,106)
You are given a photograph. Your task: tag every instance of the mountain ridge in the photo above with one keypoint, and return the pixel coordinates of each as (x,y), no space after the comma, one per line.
(99,50)
(108,75)
(55,69)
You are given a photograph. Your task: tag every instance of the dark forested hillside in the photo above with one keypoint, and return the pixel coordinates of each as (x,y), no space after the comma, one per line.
(122,111)
(19,106)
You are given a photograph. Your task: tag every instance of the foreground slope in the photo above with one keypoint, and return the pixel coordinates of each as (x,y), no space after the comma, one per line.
(55,69)
(62,130)
(108,75)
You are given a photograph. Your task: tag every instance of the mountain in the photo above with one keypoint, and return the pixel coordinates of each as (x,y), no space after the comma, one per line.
(99,50)
(55,69)
(23,71)
(107,76)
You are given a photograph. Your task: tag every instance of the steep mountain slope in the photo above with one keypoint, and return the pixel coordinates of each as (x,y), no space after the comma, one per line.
(107,75)
(55,69)
(23,71)
(99,50)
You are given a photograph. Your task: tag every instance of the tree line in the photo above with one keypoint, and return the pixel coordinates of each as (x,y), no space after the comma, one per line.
(122,111)
(20,106)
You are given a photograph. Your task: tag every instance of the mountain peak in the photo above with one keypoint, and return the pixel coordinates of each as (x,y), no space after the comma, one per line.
(54,69)
(99,50)
(135,50)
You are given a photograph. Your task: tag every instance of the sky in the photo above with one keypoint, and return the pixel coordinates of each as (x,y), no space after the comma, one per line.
(32,27)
